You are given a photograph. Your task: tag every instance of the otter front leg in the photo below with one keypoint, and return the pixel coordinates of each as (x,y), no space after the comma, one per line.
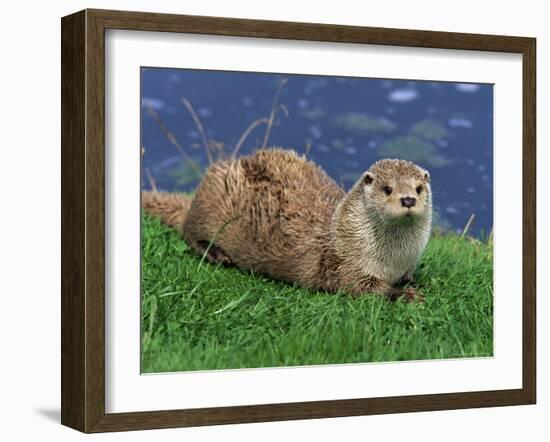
(375,285)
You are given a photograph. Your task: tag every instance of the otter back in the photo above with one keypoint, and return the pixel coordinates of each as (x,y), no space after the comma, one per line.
(270,212)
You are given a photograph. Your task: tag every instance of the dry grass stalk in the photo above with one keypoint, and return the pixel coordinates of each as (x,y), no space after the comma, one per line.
(217,147)
(308,148)
(490,239)
(246,133)
(171,137)
(283,108)
(468,225)
(274,110)
(151,180)
(200,128)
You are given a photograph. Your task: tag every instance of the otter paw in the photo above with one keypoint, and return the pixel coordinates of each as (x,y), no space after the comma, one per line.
(413,295)
(408,295)
(214,254)
(217,255)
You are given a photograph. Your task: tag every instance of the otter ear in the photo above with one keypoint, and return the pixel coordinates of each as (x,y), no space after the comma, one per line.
(426,176)
(368,178)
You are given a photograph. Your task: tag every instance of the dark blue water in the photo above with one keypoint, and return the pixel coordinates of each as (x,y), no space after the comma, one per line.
(344,125)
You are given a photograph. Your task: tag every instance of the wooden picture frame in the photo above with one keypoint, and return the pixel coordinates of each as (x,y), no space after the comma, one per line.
(83,220)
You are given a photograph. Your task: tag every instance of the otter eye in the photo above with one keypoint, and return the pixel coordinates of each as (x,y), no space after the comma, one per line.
(387,190)
(419,189)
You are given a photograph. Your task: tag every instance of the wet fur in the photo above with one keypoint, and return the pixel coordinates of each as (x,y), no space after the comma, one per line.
(278,214)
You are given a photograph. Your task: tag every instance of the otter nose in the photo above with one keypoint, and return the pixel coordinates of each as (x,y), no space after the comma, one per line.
(408,202)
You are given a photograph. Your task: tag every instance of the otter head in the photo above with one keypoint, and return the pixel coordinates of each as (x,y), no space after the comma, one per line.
(398,191)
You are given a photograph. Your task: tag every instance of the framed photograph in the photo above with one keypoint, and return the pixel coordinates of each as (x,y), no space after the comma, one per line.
(269,220)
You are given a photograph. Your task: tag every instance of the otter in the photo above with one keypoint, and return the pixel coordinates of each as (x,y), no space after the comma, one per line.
(277,213)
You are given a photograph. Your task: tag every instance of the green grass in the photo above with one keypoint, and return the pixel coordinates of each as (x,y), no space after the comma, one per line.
(198,316)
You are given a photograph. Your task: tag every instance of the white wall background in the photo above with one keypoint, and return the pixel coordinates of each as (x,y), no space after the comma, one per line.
(30,217)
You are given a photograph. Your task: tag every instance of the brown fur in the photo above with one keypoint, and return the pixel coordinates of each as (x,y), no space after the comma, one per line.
(277,213)
(169,207)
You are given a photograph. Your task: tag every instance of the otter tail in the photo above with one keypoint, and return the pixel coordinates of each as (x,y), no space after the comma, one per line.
(171,208)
